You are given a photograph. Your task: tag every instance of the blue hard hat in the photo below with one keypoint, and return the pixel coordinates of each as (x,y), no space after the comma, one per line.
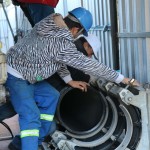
(84,17)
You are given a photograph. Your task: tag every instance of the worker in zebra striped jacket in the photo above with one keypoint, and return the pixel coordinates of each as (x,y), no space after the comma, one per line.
(88,45)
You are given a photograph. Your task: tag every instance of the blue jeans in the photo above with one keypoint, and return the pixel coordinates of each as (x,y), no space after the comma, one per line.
(39,11)
(36,105)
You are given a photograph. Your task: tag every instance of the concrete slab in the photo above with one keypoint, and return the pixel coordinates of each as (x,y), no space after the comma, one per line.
(4,133)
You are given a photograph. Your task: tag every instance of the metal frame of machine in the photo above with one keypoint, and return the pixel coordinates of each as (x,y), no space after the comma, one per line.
(136,135)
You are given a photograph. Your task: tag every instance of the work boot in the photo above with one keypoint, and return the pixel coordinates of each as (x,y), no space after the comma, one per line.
(41,147)
(13,147)
(15,144)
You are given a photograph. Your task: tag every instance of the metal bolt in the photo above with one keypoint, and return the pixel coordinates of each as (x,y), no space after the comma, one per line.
(123,93)
(113,138)
(100,81)
(129,99)
(109,86)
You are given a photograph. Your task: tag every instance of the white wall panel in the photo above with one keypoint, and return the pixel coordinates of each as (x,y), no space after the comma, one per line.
(134,35)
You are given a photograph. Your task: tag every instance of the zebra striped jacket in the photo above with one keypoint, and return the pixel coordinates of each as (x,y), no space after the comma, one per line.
(48,48)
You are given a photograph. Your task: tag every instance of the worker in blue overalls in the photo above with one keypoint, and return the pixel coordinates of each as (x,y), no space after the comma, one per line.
(31,61)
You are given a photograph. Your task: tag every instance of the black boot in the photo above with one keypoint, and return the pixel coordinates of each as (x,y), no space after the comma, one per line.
(41,147)
(15,144)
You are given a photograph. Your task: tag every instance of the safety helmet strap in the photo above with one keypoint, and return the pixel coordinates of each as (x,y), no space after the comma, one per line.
(80,32)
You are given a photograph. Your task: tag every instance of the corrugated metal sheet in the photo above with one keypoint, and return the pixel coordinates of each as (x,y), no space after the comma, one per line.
(101,16)
(134,21)
(5,33)
(100,10)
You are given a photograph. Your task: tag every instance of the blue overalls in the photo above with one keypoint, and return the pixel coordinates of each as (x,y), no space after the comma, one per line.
(36,105)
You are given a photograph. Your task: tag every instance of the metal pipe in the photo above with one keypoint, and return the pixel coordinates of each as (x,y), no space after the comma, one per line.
(81,112)
(114,31)
(16,16)
(8,21)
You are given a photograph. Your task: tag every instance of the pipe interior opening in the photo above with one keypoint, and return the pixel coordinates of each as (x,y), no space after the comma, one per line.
(80,111)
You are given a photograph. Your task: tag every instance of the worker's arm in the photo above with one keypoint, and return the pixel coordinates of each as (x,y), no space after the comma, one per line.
(131,82)
(65,75)
(71,57)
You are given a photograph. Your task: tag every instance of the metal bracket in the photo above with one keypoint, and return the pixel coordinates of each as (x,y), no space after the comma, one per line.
(66,145)
(61,141)
(134,35)
(125,95)
(102,28)
(57,136)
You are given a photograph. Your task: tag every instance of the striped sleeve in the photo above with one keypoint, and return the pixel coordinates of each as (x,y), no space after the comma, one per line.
(71,57)
(64,74)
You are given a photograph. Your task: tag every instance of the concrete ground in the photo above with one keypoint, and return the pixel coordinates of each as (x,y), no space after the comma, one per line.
(13,124)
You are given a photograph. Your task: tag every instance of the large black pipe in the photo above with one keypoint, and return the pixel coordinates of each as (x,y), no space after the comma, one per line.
(114,32)
(80,112)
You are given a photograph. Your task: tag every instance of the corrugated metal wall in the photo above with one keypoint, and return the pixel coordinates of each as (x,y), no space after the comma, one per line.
(100,10)
(101,16)
(134,38)
(5,34)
